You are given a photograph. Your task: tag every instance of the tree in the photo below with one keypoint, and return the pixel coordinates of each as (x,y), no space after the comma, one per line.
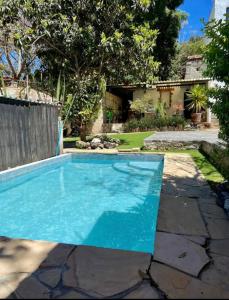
(87,42)
(168,21)
(217,60)
(195,46)
(16,59)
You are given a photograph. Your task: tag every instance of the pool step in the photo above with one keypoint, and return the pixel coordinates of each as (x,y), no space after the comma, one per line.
(135,169)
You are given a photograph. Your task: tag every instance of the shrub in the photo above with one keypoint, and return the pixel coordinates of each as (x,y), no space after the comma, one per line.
(157,123)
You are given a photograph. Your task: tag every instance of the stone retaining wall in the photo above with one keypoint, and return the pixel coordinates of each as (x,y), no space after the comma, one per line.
(218,155)
(168,145)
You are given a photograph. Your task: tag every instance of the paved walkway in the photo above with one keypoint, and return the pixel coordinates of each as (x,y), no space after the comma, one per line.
(184,136)
(191,257)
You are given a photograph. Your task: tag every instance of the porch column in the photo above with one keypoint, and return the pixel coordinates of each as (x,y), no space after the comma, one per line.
(209,115)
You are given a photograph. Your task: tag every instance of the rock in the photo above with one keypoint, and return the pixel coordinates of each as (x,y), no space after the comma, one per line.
(218,272)
(213,211)
(220,247)
(177,285)
(145,291)
(218,228)
(50,277)
(196,239)
(105,272)
(180,253)
(109,145)
(96,141)
(82,145)
(58,256)
(26,255)
(180,216)
(31,288)
(9,284)
(73,295)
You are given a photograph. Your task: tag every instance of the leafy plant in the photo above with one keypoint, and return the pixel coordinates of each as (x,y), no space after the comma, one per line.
(217,60)
(199,98)
(156,123)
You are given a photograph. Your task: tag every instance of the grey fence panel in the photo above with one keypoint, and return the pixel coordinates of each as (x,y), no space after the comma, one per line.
(28,132)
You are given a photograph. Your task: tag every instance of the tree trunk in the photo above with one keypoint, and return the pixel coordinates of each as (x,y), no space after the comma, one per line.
(83,132)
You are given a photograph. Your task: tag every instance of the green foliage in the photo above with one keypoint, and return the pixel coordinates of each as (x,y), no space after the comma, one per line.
(168,20)
(90,42)
(160,109)
(142,105)
(195,46)
(217,60)
(156,123)
(199,98)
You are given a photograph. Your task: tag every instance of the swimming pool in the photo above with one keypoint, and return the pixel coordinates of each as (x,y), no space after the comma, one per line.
(108,201)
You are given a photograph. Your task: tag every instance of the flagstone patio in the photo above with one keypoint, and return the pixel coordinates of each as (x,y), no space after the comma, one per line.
(191,257)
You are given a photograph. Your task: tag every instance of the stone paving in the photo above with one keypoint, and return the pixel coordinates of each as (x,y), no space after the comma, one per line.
(210,136)
(191,257)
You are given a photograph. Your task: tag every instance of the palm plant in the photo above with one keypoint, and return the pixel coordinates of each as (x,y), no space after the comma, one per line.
(198,97)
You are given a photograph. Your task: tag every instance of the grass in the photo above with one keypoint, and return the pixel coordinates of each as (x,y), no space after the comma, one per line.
(210,173)
(71,139)
(132,140)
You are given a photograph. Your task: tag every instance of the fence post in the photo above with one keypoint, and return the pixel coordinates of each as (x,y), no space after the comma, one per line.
(60,136)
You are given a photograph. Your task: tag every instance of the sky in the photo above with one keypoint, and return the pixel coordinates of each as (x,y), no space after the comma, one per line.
(197,10)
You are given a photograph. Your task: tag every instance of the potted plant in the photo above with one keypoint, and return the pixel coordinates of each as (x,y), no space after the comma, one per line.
(198,97)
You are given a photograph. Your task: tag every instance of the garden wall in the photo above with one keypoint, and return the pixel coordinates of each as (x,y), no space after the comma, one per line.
(28,132)
(218,155)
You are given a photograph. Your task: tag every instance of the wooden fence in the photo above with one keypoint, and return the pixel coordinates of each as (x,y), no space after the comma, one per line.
(28,132)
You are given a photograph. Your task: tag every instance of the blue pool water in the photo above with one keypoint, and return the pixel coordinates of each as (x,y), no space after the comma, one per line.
(108,201)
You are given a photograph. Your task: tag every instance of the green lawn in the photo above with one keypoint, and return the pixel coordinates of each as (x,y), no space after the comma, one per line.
(132,140)
(71,139)
(210,173)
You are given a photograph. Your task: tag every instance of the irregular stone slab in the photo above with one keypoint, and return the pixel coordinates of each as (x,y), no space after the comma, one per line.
(177,285)
(31,288)
(180,253)
(105,272)
(73,295)
(50,277)
(218,228)
(212,200)
(196,239)
(181,216)
(9,283)
(22,256)
(220,247)
(218,273)
(58,256)
(213,211)
(145,291)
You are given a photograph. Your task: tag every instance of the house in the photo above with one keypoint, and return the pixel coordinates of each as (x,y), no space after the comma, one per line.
(115,108)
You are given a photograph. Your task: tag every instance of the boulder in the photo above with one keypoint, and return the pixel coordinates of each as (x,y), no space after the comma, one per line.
(96,143)
(82,145)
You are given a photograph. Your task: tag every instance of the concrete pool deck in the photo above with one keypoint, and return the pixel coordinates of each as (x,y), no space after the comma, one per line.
(191,257)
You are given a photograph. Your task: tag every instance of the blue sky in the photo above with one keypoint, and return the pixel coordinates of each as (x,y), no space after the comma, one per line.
(197,10)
